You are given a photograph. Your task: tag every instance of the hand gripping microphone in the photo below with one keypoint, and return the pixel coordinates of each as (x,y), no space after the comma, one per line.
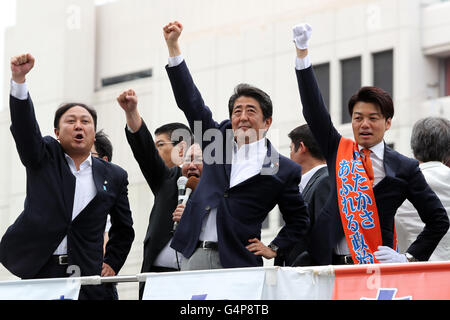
(181,183)
(190,186)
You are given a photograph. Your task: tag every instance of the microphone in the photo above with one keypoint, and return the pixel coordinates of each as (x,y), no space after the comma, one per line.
(190,186)
(181,183)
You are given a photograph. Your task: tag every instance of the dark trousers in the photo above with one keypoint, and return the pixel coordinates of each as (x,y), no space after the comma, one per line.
(105,291)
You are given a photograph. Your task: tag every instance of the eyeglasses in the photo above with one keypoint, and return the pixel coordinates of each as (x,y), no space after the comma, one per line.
(162,143)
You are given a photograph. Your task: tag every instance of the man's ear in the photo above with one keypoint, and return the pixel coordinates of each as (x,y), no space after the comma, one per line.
(182,149)
(302,148)
(56,133)
(388,124)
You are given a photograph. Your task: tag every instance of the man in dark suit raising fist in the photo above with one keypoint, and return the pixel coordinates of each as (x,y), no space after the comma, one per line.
(69,194)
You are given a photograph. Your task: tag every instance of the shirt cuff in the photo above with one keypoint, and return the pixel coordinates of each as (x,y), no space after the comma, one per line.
(129,129)
(19,90)
(301,64)
(175,61)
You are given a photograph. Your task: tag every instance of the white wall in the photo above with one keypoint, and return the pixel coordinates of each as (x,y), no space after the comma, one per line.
(224,43)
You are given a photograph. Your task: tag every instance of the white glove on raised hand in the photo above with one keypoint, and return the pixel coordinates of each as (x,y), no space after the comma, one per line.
(302,34)
(388,255)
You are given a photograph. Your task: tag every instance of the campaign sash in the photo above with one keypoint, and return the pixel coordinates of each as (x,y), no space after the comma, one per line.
(357,207)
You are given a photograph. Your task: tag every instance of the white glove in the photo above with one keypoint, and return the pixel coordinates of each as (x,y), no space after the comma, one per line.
(302,34)
(387,255)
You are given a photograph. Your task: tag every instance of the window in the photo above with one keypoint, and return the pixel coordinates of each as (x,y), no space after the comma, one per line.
(322,72)
(351,83)
(127,77)
(383,74)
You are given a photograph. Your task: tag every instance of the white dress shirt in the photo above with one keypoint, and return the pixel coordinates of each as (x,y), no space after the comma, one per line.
(247,161)
(85,189)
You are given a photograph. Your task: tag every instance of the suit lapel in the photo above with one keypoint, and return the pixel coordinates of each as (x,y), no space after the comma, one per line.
(68,187)
(99,175)
(311,181)
(390,161)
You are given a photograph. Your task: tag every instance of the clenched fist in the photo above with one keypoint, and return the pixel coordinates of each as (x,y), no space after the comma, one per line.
(20,66)
(302,34)
(128,101)
(172,33)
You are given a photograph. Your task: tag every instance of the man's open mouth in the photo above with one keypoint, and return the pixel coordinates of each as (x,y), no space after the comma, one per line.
(79,137)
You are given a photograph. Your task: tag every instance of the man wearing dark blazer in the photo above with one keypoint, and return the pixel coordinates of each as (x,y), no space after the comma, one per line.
(314,187)
(69,194)
(243,179)
(162,179)
(392,177)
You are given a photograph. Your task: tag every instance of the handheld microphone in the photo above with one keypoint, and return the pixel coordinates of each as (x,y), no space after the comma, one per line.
(190,186)
(181,184)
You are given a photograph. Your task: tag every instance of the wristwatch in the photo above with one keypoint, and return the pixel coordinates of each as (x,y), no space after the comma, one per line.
(274,247)
(410,258)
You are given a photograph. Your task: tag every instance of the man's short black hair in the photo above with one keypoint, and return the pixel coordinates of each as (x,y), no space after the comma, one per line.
(65,107)
(374,95)
(103,145)
(183,133)
(304,134)
(246,90)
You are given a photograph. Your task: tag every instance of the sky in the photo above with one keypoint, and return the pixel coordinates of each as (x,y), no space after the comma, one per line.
(7,18)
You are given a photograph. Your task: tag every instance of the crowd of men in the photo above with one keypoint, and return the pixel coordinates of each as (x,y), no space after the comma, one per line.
(343,201)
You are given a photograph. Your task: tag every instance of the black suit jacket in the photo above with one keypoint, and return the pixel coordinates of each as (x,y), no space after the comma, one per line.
(163,183)
(316,194)
(242,209)
(403,180)
(47,216)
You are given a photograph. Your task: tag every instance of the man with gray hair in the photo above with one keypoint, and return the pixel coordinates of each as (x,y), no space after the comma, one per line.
(430,143)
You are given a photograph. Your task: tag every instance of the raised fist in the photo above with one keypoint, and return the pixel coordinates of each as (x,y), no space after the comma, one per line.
(302,34)
(128,101)
(172,32)
(20,66)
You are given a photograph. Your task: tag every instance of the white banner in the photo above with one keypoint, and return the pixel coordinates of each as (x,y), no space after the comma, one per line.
(220,284)
(299,283)
(45,289)
(269,283)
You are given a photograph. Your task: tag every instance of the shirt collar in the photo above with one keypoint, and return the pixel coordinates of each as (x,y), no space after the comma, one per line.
(377,149)
(308,175)
(258,146)
(86,163)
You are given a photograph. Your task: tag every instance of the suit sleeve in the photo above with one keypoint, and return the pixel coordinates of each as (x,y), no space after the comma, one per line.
(432,213)
(321,194)
(316,113)
(295,214)
(26,133)
(144,150)
(189,99)
(121,234)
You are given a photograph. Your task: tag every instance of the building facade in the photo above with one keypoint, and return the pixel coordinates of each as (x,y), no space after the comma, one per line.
(91,53)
